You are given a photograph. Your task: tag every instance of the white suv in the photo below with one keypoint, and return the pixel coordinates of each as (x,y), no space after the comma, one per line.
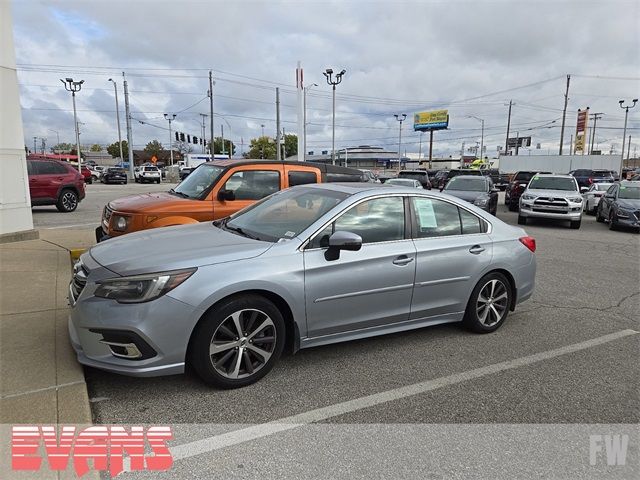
(554,197)
(147,174)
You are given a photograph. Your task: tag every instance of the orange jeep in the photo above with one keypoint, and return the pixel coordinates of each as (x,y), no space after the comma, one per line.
(212,191)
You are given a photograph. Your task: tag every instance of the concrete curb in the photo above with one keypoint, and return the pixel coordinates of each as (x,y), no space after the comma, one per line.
(19,236)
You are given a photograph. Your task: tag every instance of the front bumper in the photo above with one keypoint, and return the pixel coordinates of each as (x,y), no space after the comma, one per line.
(572,213)
(162,327)
(632,221)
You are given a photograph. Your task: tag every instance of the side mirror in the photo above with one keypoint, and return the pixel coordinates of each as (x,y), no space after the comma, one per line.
(224,195)
(342,240)
(584,189)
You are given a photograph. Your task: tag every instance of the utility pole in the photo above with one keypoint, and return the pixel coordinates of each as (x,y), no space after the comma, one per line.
(204,131)
(596,117)
(262,142)
(400,118)
(304,121)
(571,145)
(506,142)
(333,82)
(127,112)
(35,141)
(170,118)
(43,144)
(420,148)
(115,90)
(211,84)
(430,148)
(222,134)
(624,133)
(517,142)
(278,156)
(564,113)
(73,87)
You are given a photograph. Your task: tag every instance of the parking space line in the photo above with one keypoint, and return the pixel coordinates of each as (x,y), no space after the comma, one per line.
(236,437)
(92,224)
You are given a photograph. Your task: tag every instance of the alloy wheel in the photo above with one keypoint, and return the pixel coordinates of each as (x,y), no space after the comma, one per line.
(69,201)
(242,344)
(492,302)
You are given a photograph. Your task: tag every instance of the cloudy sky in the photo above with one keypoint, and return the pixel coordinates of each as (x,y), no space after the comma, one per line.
(470,57)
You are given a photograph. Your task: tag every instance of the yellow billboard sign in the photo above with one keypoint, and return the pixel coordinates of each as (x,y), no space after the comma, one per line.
(433,120)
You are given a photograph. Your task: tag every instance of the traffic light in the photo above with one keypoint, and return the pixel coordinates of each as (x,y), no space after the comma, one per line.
(181,137)
(177,137)
(188,138)
(195,140)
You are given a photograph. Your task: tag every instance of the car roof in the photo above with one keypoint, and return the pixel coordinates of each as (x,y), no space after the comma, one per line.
(558,175)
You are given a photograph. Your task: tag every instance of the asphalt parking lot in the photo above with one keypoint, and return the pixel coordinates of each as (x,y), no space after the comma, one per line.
(553,362)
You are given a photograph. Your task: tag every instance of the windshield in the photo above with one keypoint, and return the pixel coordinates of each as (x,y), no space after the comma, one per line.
(476,184)
(283,215)
(405,182)
(553,183)
(199,181)
(630,193)
(524,176)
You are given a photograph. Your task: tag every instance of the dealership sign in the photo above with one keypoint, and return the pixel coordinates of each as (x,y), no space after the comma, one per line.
(519,142)
(99,447)
(581,130)
(434,120)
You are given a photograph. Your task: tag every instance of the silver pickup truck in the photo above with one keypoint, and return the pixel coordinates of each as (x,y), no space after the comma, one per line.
(555,197)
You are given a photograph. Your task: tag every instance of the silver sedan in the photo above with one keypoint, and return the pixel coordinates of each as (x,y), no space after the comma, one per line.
(308,266)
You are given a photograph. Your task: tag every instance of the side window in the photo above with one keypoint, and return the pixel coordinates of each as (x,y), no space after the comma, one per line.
(48,168)
(377,220)
(59,169)
(611,190)
(436,218)
(321,240)
(471,223)
(253,184)
(301,178)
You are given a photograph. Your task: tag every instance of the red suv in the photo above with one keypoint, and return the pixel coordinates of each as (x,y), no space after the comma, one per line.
(52,182)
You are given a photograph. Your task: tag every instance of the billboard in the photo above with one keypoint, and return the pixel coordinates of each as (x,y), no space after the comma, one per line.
(519,142)
(434,120)
(581,130)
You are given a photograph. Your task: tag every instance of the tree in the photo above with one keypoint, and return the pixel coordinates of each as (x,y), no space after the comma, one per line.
(291,145)
(183,147)
(262,147)
(96,148)
(114,150)
(75,152)
(217,146)
(154,147)
(62,148)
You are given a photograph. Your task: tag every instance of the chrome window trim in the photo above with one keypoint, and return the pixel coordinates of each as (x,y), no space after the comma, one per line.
(489,228)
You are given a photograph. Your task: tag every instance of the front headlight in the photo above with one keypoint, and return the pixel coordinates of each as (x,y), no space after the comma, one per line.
(141,288)
(526,196)
(623,212)
(481,201)
(120,223)
(575,199)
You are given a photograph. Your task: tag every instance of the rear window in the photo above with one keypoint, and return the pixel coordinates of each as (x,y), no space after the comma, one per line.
(301,178)
(151,169)
(601,173)
(116,170)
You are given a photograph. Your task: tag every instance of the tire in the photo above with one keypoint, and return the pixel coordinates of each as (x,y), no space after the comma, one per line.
(239,364)
(599,217)
(506,200)
(158,181)
(612,222)
(522,220)
(575,225)
(136,179)
(513,207)
(124,183)
(67,201)
(94,178)
(494,308)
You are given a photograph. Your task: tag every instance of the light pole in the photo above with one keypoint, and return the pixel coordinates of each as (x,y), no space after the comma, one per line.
(624,133)
(328,73)
(400,118)
(170,118)
(115,90)
(482,135)
(262,142)
(304,121)
(73,87)
(57,134)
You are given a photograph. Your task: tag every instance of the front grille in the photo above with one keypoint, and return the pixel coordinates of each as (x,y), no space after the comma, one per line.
(550,205)
(78,282)
(106,214)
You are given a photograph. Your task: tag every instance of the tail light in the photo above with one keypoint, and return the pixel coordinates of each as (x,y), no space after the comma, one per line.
(529,242)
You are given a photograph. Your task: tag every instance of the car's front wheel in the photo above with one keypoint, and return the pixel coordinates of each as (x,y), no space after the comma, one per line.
(575,224)
(489,304)
(522,220)
(612,221)
(67,201)
(238,342)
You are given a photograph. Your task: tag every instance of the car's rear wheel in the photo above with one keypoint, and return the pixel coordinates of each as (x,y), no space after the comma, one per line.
(238,342)
(67,201)
(522,220)
(489,304)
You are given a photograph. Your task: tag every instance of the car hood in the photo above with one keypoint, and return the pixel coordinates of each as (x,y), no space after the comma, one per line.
(553,193)
(148,202)
(173,248)
(465,195)
(629,203)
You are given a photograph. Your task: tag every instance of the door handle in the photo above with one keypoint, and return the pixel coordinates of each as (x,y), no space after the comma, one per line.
(402,260)
(476,249)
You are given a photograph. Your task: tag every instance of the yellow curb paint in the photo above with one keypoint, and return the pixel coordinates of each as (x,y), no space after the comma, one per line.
(75,253)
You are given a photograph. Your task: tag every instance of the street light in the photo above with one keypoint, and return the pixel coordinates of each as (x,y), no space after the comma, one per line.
(73,87)
(170,118)
(624,133)
(57,134)
(328,73)
(400,118)
(482,135)
(115,90)
(304,121)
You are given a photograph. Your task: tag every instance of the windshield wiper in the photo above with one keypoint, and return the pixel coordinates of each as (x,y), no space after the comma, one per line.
(240,231)
(183,195)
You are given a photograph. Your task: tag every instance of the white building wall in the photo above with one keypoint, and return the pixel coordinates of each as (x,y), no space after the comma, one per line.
(15,202)
(558,163)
